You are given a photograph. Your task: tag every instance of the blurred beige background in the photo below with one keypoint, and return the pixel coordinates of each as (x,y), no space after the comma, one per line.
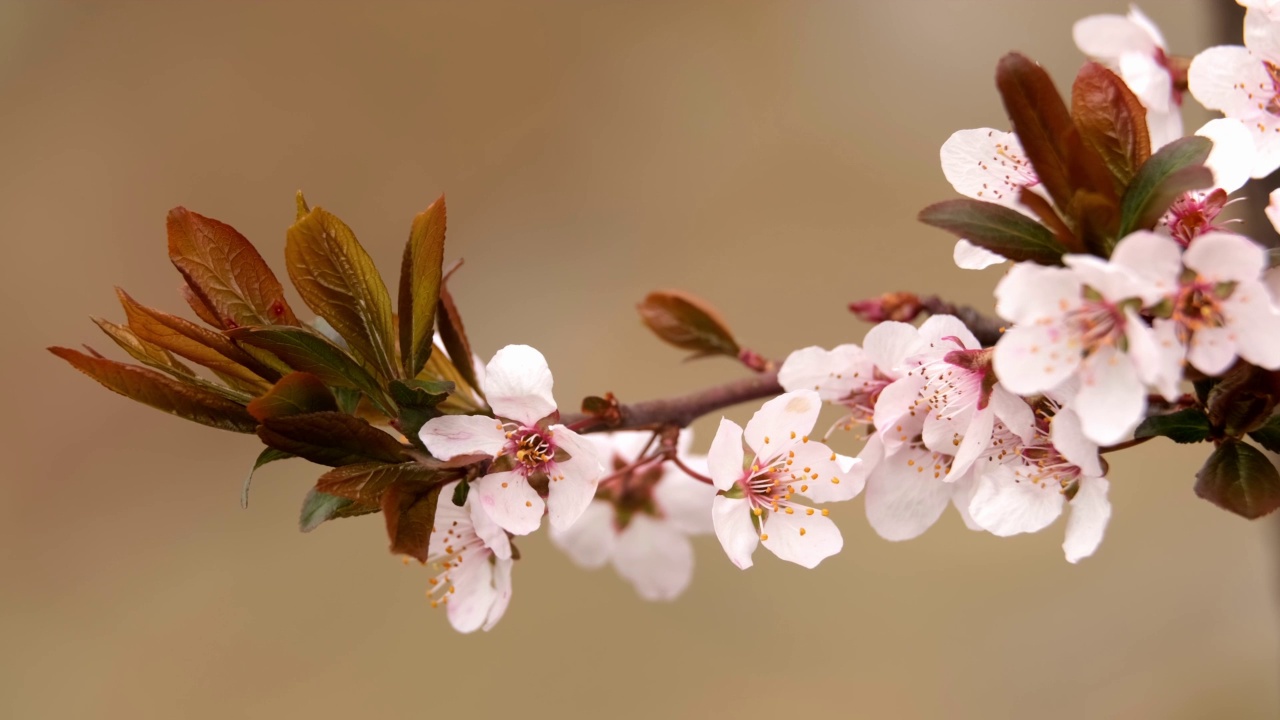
(770,157)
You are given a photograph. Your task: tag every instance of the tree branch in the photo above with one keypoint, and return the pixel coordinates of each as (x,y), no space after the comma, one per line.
(679,411)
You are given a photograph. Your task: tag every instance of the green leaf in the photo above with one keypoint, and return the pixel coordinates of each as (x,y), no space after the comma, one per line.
(410,512)
(338,280)
(1183,426)
(1239,478)
(225,272)
(331,438)
(454,337)
(1268,436)
(420,276)
(294,394)
(1173,170)
(268,455)
(306,351)
(151,388)
(300,203)
(687,322)
(460,492)
(419,401)
(366,482)
(1111,120)
(997,228)
(318,508)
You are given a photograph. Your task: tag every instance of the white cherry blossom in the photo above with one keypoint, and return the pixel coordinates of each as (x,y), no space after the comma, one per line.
(1133,47)
(642,517)
(1273,209)
(472,559)
(986,164)
(525,443)
(1269,8)
(756,505)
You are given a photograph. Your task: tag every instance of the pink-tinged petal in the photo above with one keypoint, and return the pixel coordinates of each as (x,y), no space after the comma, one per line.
(906,495)
(1112,399)
(1224,78)
(1255,321)
(590,541)
(1265,129)
(977,438)
(502,592)
(449,436)
(961,495)
(1139,18)
(1114,282)
(473,594)
(510,501)
(781,421)
(655,558)
(624,445)
(1087,523)
(1107,37)
(684,502)
(1269,8)
(724,459)
(1164,127)
(1068,438)
(1030,293)
(1212,350)
(1014,412)
(1004,504)
(1224,257)
(987,164)
(943,434)
(1231,158)
(1031,359)
(818,474)
(737,535)
(1157,353)
(1155,259)
(801,538)
(889,344)
(944,330)
(1148,79)
(489,532)
(968,256)
(573,482)
(891,413)
(518,384)
(1273,214)
(833,374)
(1262,35)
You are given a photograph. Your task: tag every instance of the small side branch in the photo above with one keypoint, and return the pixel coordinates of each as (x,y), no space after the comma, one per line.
(679,411)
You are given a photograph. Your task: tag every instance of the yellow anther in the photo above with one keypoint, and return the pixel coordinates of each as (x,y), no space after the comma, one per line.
(793,434)
(825,512)
(791,511)
(803,488)
(758,511)
(802,531)
(528,503)
(808,511)
(835,481)
(764,536)
(504,485)
(766,439)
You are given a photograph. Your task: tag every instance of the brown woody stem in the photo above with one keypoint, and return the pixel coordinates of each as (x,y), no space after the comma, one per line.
(679,411)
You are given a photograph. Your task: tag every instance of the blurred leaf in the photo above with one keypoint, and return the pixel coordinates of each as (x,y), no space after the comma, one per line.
(337,279)
(367,482)
(268,455)
(1183,426)
(420,276)
(460,492)
(1112,121)
(197,344)
(410,512)
(418,401)
(1173,170)
(306,351)
(330,438)
(1268,436)
(997,228)
(318,508)
(687,322)
(1063,163)
(1243,399)
(1050,218)
(151,388)
(294,394)
(454,337)
(226,272)
(1097,221)
(1239,478)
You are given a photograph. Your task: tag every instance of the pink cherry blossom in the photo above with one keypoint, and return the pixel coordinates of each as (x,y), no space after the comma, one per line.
(524,443)
(472,559)
(986,164)
(642,518)
(756,505)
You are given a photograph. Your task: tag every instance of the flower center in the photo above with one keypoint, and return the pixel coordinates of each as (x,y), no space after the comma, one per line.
(1192,215)
(1097,324)
(530,448)
(1198,305)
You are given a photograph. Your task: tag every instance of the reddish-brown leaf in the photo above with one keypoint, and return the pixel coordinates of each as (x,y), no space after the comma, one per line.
(454,337)
(420,275)
(294,394)
(366,482)
(331,438)
(687,322)
(1036,203)
(410,511)
(226,272)
(152,388)
(198,306)
(1112,121)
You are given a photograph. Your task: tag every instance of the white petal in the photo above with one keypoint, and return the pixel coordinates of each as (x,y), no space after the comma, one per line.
(1139,18)
(1112,399)
(737,535)
(977,438)
(1273,209)
(1114,282)
(903,500)
(1031,292)
(1005,504)
(1231,158)
(803,539)
(1157,353)
(1224,257)
(655,558)
(1148,79)
(1256,324)
(962,492)
(1090,513)
(1107,37)
(492,534)
(1032,359)
(1261,35)
(724,459)
(784,418)
(684,502)
(1154,259)
(590,541)
(1164,127)
(943,330)
(573,482)
(987,164)
(833,374)
(968,256)
(889,344)
(510,501)
(1068,438)
(518,384)
(502,592)
(1014,412)
(473,593)
(892,407)
(1221,78)
(817,474)
(449,436)
(1212,350)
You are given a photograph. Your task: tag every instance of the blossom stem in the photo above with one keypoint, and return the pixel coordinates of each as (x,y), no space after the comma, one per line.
(679,411)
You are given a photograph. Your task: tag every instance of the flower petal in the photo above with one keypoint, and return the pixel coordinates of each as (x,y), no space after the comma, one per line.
(818,474)
(987,164)
(489,532)
(1222,78)
(518,385)
(737,535)
(1005,504)
(724,459)
(889,344)
(1256,324)
(1231,158)
(1090,513)
(1031,292)
(472,595)
(798,537)
(833,374)
(968,256)
(684,502)
(590,541)
(906,495)
(449,436)
(1156,260)
(573,482)
(656,558)
(1225,257)
(942,330)
(502,592)
(1068,438)
(782,420)
(1112,399)
(1107,37)
(510,501)
(1032,359)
